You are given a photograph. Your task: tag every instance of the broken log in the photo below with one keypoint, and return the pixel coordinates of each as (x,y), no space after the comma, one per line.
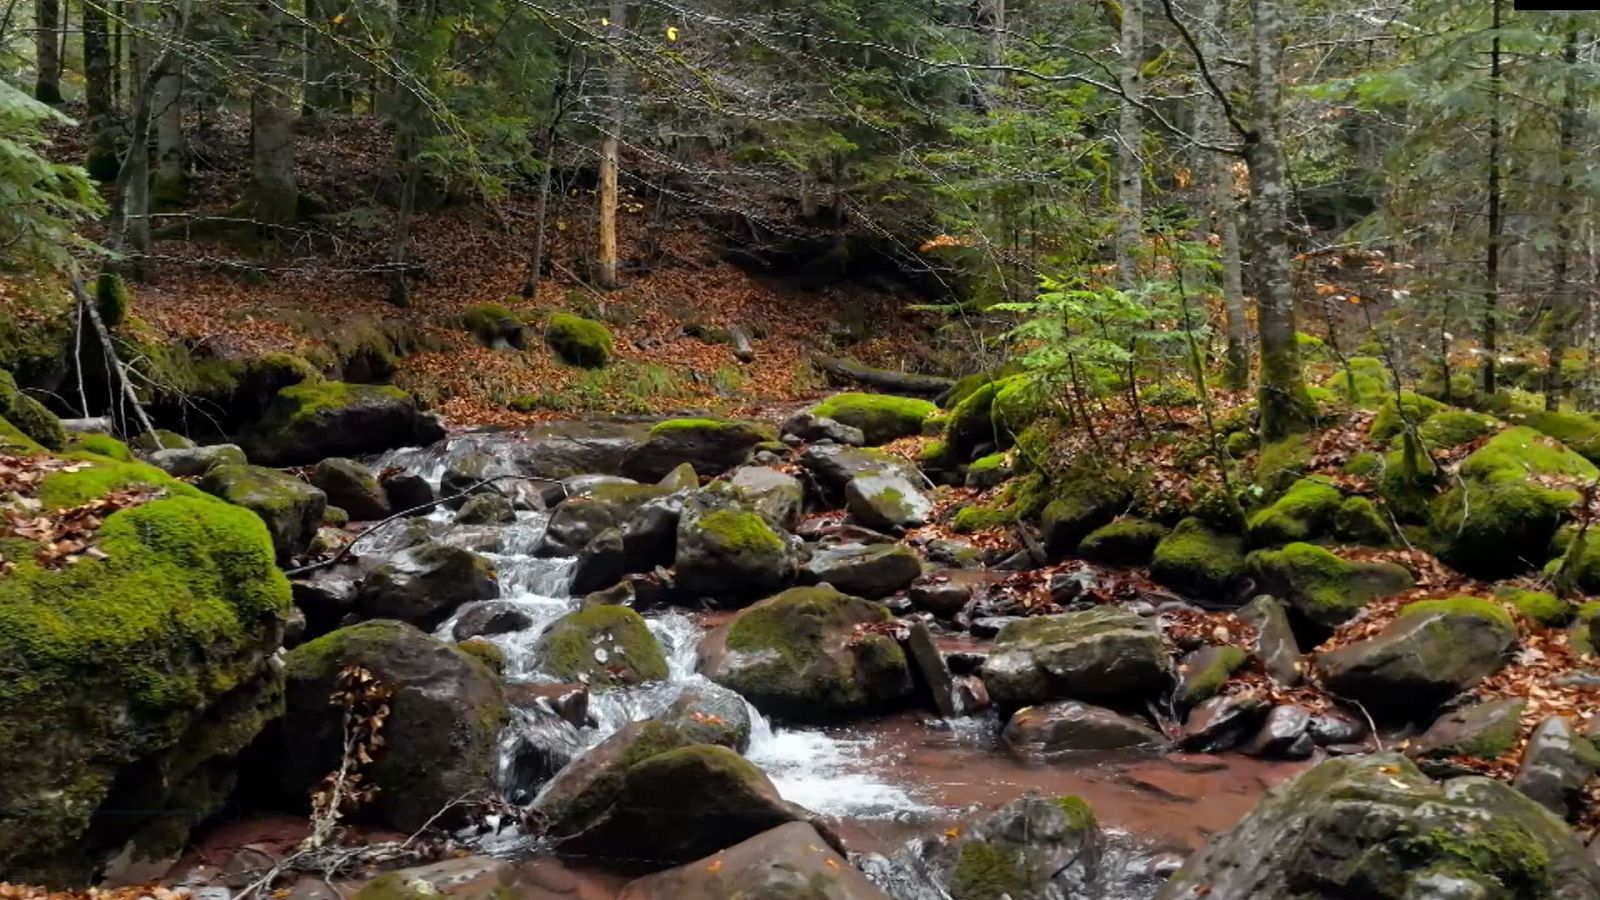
(849,371)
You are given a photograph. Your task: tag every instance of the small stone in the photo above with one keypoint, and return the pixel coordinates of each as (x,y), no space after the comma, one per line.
(1222,723)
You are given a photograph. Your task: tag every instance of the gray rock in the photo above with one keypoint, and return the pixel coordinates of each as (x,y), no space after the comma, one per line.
(1222,723)
(870,571)
(724,551)
(834,466)
(1285,734)
(808,426)
(947,591)
(601,564)
(486,509)
(886,500)
(1480,731)
(409,491)
(1556,765)
(192,462)
(1275,644)
(353,488)
(291,509)
(1097,654)
(465,475)
(1053,731)
(489,617)
(650,534)
(712,714)
(424,584)
(929,670)
(792,860)
(775,496)
(1420,660)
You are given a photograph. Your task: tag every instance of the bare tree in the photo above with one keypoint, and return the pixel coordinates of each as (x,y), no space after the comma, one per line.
(47,31)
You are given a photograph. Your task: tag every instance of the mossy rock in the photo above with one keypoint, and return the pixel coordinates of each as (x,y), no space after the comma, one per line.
(1453,427)
(1239,444)
(1080,503)
(1199,560)
(161,439)
(1282,463)
(1579,431)
(1019,401)
(290,508)
(727,551)
(1128,541)
(1538,607)
(153,658)
(1582,637)
(601,645)
(12,440)
(989,471)
(1363,463)
(1033,847)
(1579,564)
(111,299)
(493,325)
(29,416)
(967,386)
(1324,588)
(1391,419)
(797,655)
(711,446)
(1359,521)
(1202,673)
(579,341)
(1306,511)
(313,420)
(1407,485)
(486,652)
(100,445)
(1363,382)
(881,417)
(971,423)
(1101,655)
(1483,731)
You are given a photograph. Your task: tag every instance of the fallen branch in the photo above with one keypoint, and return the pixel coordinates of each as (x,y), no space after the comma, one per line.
(850,371)
(87,306)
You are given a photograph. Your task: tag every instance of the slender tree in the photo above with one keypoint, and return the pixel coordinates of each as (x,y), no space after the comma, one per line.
(47,32)
(1130,159)
(98,91)
(272,195)
(1491,256)
(1563,295)
(1224,210)
(607,269)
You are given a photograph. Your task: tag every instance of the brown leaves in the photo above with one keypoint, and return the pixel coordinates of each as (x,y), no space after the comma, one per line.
(64,536)
(366,707)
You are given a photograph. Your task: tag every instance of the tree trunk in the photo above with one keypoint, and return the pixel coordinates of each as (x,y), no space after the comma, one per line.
(530,283)
(324,76)
(1130,163)
(272,196)
(1491,261)
(137,48)
(47,15)
(1563,297)
(166,193)
(607,275)
(989,20)
(1236,374)
(102,160)
(1286,406)
(130,229)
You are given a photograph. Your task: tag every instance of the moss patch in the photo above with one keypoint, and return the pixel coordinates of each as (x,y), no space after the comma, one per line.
(1127,542)
(100,445)
(1461,606)
(579,341)
(881,417)
(29,416)
(1454,427)
(1363,382)
(1305,511)
(1199,560)
(1281,464)
(1323,587)
(606,645)
(987,871)
(1538,606)
(1392,417)
(1579,431)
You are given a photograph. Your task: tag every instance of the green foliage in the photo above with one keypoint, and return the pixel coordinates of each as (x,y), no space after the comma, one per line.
(41,202)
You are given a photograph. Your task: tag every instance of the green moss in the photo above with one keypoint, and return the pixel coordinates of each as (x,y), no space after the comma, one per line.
(1198,560)
(1016,500)
(1454,427)
(971,422)
(579,341)
(1538,606)
(486,652)
(1202,684)
(1363,463)
(969,385)
(1283,463)
(994,462)
(1080,815)
(1363,382)
(12,440)
(111,298)
(1407,494)
(1305,511)
(986,871)
(1389,422)
(1582,638)
(935,455)
(881,417)
(1517,452)
(628,653)
(335,517)
(1323,587)
(1463,386)
(1359,521)
(59,490)
(738,531)
(1127,541)
(1501,852)
(1238,444)
(489,321)
(1461,606)
(1018,402)
(1579,431)
(29,416)
(100,445)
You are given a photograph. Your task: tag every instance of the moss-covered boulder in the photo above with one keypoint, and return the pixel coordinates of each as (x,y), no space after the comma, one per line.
(29,416)
(887,500)
(1203,672)
(1128,541)
(726,551)
(989,471)
(425,583)
(1079,505)
(881,417)
(495,326)
(603,646)
(1282,463)
(863,570)
(1480,731)
(1451,428)
(160,439)
(1102,655)
(1513,493)
(129,681)
(971,424)
(291,509)
(1433,651)
(100,445)
(773,494)
(440,739)
(1199,560)
(191,462)
(1019,402)
(712,446)
(1579,431)
(799,655)
(1363,381)
(579,341)
(1032,847)
(1539,607)
(1376,827)
(1393,417)
(13,441)
(313,420)
(791,861)
(486,509)
(1304,512)
(1324,588)
(352,487)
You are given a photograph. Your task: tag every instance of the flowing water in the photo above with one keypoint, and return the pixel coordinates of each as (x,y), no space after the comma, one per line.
(883,784)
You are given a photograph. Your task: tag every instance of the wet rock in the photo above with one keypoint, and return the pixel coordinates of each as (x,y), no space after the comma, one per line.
(1331,729)
(563,449)
(489,617)
(991,626)
(351,487)
(1378,828)
(650,534)
(711,714)
(192,462)
(1032,847)
(712,446)
(291,509)
(314,420)
(424,584)
(957,554)
(682,478)
(1051,731)
(971,695)
(1202,673)
(725,551)
(773,495)
(1199,561)
(799,655)
(1275,643)
(1433,651)
(441,736)
(465,878)
(808,426)
(602,563)
(870,571)
(601,645)
(834,466)
(573,525)
(486,509)
(790,861)
(408,491)
(1285,734)
(928,669)
(1097,654)
(887,501)
(555,493)
(947,591)
(1322,587)
(1480,731)
(1222,723)
(326,596)
(1556,765)
(467,475)
(1066,588)
(965,662)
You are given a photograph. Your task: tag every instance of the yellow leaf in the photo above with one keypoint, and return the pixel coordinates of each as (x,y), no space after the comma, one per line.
(605,22)
(339,19)
(672,32)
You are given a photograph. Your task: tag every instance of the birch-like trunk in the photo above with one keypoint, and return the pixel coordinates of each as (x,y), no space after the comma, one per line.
(1491,253)
(102,160)
(1236,374)
(607,269)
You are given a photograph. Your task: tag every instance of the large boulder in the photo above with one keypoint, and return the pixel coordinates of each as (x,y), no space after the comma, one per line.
(881,417)
(440,738)
(806,654)
(712,446)
(565,449)
(592,509)
(424,584)
(192,462)
(864,570)
(313,420)
(1052,731)
(1199,560)
(602,646)
(1433,651)
(352,487)
(1104,654)
(1322,587)
(773,494)
(1032,847)
(1275,644)
(1081,506)
(29,416)
(1375,827)
(833,466)
(1480,731)
(790,862)
(130,680)
(291,509)
(579,341)
(726,551)
(887,500)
